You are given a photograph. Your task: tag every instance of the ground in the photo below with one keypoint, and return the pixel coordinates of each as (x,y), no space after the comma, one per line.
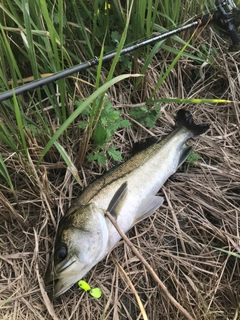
(192,242)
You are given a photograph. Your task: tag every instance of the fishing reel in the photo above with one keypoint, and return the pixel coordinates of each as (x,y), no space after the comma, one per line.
(228,18)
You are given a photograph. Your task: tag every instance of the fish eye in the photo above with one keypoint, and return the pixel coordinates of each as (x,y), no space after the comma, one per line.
(61,253)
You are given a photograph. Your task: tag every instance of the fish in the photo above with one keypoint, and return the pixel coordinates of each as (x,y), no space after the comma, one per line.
(128,192)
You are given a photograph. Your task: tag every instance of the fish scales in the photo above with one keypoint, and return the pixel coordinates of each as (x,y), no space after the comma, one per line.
(163,156)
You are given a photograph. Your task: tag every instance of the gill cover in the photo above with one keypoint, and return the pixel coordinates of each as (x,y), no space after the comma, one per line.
(81,239)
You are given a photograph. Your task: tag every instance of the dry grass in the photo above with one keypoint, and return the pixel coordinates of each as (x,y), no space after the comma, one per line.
(180,242)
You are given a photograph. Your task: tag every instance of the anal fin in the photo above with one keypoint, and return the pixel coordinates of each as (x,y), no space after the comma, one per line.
(185,153)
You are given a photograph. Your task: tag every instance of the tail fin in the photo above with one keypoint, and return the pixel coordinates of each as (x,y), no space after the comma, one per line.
(185,119)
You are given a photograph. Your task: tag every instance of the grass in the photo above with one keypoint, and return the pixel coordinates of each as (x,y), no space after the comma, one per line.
(43,162)
(45,41)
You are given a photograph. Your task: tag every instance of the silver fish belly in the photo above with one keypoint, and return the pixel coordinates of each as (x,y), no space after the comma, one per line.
(128,192)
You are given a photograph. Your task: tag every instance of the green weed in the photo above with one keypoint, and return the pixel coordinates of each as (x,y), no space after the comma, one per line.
(145,115)
(109,122)
(92,98)
(193,157)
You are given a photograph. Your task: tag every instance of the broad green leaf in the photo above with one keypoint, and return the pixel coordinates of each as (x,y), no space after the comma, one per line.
(116,155)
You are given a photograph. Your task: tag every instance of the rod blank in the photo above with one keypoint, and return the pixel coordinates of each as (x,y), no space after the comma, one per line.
(85,65)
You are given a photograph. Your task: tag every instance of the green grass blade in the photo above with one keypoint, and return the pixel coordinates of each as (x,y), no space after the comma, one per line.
(5,301)
(52,32)
(71,167)
(4,172)
(234,254)
(20,126)
(9,56)
(197,101)
(55,38)
(175,60)
(6,136)
(28,39)
(120,46)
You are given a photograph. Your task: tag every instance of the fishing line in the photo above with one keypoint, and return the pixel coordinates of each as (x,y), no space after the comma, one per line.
(226,15)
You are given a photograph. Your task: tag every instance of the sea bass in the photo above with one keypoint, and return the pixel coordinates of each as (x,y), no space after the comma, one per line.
(85,236)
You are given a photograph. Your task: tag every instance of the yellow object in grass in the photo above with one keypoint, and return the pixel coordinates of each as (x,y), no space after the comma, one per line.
(84,285)
(95,292)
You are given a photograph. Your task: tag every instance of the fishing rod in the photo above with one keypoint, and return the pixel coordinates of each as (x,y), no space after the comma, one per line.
(227,17)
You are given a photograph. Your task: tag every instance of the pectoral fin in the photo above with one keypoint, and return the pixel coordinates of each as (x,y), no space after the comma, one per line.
(147,207)
(117,200)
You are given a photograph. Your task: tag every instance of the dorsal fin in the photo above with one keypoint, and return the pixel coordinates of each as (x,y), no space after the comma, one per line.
(142,145)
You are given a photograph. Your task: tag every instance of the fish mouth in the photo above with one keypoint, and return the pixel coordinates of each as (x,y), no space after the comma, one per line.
(57,287)
(57,279)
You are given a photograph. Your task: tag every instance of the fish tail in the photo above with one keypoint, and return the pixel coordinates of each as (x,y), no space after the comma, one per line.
(184,118)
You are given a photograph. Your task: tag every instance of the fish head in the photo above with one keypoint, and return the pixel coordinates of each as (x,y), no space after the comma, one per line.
(80,243)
